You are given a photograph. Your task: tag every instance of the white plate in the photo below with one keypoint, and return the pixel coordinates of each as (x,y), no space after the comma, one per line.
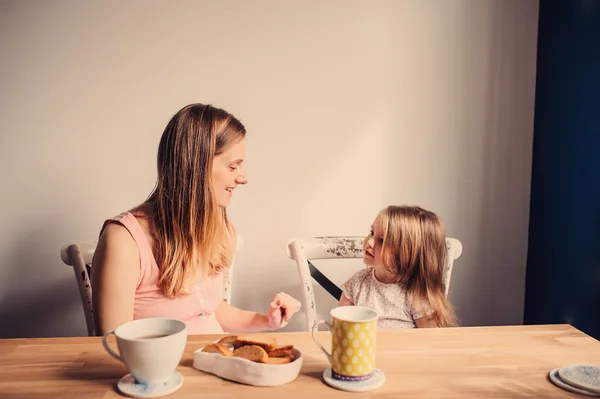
(556,380)
(128,386)
(246,371)
(581,376)
(376,381)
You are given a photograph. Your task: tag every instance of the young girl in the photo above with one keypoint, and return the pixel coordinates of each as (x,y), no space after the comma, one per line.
(404,282)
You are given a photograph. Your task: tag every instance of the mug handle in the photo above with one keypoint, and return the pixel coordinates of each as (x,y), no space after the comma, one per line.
(108,349)
(315,328)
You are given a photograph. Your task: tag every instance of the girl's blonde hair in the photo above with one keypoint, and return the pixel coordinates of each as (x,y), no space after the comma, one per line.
(191,232)
(414,249)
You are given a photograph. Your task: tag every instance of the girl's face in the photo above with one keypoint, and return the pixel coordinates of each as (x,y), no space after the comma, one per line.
(372,245)
(372,253)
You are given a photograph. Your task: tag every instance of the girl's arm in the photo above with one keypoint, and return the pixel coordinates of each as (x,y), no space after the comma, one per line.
(350,287)
(344,301)
(427,322)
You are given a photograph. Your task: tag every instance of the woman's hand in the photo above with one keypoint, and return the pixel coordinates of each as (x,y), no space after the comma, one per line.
(281,310)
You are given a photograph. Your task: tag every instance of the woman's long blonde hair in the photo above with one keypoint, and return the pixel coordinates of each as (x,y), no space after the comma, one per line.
(414,249)
(191,233)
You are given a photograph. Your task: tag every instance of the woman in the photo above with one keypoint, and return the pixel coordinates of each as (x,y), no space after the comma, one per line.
(168,256)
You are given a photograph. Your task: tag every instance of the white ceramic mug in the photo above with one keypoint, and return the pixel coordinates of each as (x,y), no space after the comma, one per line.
(150,348)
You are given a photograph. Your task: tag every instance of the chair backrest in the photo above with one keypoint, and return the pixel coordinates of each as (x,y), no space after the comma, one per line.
(303,250)
(80,255)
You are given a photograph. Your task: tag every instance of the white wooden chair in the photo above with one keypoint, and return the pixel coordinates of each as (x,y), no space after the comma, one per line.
(304,250)
(80,255)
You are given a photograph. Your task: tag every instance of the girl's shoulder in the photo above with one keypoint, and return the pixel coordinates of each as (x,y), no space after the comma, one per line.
(362,275)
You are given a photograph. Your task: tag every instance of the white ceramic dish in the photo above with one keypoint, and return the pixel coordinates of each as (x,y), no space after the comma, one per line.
(246,371)
(555,378)
(582,376)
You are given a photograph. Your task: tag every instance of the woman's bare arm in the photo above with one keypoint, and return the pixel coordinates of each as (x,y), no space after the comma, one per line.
(115,275)
(233,319)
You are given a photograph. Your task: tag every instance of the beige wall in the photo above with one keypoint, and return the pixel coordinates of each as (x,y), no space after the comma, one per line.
(349,106)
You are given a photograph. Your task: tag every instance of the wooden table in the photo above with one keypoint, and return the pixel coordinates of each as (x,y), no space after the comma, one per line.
(475,362)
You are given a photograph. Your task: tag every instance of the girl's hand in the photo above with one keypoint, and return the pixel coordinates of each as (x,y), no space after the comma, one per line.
(281,310)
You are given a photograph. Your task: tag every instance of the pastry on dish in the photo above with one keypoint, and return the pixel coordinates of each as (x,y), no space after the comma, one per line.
(279,360)
(257,348)
(218,348)
(252,352)
(228,340)
(265,342)
(282,351)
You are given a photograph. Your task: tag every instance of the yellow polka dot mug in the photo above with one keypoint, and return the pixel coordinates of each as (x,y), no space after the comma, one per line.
(353,342)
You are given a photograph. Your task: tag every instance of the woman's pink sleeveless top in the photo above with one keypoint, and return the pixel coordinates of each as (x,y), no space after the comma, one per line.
(196,310)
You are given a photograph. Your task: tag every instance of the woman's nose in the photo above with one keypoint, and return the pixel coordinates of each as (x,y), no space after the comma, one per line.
(242,178)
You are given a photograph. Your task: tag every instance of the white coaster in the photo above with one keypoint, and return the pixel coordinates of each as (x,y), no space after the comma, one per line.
(128,386)
(556,380)
(581,376)
(376,381)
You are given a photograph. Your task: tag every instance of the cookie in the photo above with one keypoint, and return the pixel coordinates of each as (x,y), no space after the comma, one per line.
(283,352)
(228,340)
(279,360)
(218,348)
(265,342)
(252,352)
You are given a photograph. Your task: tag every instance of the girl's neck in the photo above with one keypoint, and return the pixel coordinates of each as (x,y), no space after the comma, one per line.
(383,277)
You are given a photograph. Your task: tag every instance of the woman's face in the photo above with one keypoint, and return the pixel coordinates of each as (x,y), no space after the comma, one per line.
(228,171)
